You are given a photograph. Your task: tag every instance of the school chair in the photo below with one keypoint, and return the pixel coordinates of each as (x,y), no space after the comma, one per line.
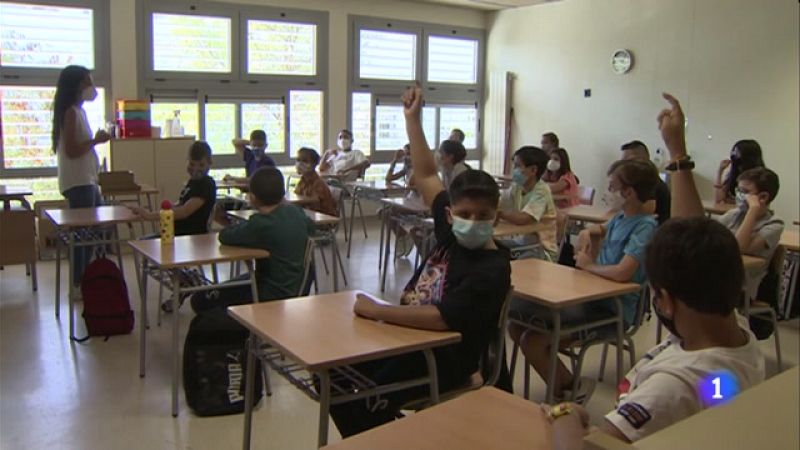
(489,368)
(323,238)
(586,195)
(762,310)
(18,241)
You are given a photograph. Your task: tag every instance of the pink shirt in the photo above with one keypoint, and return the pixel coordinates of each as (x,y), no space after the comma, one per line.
(571,191)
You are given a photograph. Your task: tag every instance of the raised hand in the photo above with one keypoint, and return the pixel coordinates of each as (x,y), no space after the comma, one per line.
(724,164)
(671,123)
(412,102)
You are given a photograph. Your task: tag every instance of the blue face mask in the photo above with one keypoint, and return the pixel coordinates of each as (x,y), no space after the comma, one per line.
(472,234)
(518,177)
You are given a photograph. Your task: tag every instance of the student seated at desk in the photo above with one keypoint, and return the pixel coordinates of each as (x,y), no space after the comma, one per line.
(695,272)
(312,185)
(529,202)
(456,134)
(406,173)
(756,227)
(197,197)
(344,160)
(745,155)
(255,156)
(451,156)
(562,181)
(461,286)
(660,205)
(278,227)
(614,250)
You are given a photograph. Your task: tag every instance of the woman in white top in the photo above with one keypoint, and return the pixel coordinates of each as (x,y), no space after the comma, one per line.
(74,148)
(343,160)
(451,157)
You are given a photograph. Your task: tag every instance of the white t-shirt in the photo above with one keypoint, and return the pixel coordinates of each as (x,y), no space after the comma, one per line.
(662,388)
(80,171)
(344,160)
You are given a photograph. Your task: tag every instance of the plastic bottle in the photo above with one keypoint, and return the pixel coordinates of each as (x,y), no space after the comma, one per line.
(167,216)
(176,124)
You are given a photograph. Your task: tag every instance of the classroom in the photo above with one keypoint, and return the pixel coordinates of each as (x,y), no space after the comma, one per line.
(400,224)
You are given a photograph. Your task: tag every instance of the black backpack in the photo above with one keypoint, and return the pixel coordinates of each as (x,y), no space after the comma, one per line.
(215,365)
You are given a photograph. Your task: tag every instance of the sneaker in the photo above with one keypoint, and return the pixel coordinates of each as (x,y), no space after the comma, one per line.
(582,395)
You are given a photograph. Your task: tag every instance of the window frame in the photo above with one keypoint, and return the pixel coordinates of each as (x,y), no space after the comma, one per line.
(437,94)
(239,88)
(48,77)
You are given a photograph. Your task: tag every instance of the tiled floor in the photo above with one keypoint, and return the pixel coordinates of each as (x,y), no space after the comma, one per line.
(56,394)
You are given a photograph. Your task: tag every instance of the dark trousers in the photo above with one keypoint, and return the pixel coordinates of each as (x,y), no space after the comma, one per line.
(361,415)
(82,197)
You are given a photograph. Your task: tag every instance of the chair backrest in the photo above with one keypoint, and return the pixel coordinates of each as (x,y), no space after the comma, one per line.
(17,237)
(642,307)
(493,358)
(121,180)
(308,266)
(586,195)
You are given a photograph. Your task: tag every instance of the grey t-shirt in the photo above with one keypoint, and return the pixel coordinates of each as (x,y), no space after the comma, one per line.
(770,228)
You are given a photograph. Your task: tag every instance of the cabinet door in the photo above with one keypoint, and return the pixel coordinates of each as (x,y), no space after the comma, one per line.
(170,163)
(135,155)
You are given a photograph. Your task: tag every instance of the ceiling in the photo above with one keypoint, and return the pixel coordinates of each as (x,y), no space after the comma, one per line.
(488,4)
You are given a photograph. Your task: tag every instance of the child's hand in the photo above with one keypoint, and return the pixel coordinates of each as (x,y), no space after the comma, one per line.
(399,156)
(671,123)
(724,164)
(138,210)
(412,102)
(584,243)
(582,259)
(102,136)
(365,306)
(756,204)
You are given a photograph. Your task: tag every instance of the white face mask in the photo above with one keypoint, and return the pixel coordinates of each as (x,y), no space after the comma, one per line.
(614,200)
(741,200)
(301,168)
(89,93)
(345,143)
(553,165)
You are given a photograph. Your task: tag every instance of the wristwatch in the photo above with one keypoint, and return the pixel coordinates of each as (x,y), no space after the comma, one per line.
(685,163)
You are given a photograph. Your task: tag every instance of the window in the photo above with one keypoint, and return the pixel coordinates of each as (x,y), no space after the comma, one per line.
(187,113)
(387,55)
(234,68)
(280,48)
(270,117)
(189,43)
(44,36)
(452,60)
(37,40)
(306,120)
(27,125)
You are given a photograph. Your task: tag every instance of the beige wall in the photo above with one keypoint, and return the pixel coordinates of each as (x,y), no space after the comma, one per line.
(123,40)
(733,63)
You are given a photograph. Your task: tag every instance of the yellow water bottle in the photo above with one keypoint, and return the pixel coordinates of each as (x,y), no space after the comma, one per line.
(167,216)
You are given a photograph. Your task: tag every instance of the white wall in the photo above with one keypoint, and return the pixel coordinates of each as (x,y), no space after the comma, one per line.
(123,40)
(733,64)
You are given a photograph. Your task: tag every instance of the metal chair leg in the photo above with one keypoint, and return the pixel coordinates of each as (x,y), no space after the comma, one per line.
(363,220)
(774,318)
(324,262)
(603,357)
(34,278)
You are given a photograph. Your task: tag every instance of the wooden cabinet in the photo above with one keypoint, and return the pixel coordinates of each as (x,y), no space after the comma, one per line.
(156,162)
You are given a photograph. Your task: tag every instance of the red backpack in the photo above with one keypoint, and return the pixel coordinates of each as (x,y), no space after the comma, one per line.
(106,308)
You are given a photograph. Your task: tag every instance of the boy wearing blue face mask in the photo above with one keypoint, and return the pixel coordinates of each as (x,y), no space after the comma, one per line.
(614,250)
(461,286)
(197,196)
(253,153)
(532,203)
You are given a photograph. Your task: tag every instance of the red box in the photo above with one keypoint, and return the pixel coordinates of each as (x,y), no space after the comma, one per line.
(134,128)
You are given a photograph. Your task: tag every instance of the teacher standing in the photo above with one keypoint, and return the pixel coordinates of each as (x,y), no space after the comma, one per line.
(74,148)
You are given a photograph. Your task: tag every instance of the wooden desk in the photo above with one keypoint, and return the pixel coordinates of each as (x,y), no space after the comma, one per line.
(186,251)
(238,185)
(74,226)
(407,205)
(762,417)
(379,185)
(321,333)
(484,419)
(505,229)
(714,208)
(318,218)
(791,240)
(591,214)
(556,287)
(290,197)
(13,193)
(373,190)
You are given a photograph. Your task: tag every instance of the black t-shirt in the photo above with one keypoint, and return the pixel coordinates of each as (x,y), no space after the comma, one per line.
(197,223)
(468,287)
(663,202)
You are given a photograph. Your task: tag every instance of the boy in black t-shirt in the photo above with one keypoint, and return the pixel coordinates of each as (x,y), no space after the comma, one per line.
(461,286)
(197,196)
